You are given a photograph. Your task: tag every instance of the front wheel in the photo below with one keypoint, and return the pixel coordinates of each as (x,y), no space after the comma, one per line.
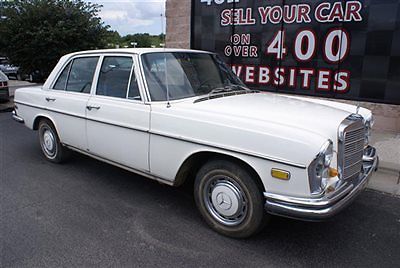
(50,143)
(229,199)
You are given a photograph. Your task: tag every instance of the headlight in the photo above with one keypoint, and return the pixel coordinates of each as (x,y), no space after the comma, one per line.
(318,170)
(368,128)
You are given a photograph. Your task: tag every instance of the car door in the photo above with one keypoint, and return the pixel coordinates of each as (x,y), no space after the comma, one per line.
(67,98)
(118,120)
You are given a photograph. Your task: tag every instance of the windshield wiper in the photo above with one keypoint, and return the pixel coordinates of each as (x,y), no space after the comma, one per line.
(219,90)
(239,87)
(227,88)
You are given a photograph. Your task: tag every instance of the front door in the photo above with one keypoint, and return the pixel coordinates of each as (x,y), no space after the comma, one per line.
(118,120)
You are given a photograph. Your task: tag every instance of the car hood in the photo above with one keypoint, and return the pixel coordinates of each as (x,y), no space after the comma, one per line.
(261,123)
(317,116)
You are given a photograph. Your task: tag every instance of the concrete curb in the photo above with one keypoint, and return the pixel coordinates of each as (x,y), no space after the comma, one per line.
(386,180)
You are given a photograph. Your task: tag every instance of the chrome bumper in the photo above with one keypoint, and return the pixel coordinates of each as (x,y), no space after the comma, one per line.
(17,118)
(327,205)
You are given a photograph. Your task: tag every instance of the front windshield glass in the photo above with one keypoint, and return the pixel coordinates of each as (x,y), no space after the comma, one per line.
(187,74)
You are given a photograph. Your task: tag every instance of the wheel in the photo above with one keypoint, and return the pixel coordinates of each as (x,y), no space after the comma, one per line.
(229,199)
(52,149)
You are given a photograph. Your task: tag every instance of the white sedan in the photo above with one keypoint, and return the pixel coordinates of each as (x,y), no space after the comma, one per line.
(182,115)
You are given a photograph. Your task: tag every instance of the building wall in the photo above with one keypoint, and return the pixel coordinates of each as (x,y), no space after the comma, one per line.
(178,13)
(178,23)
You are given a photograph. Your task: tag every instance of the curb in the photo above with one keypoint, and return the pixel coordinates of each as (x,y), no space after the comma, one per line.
(385,180)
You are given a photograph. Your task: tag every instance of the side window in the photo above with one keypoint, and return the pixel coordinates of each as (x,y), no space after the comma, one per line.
(114,76)
(134,93)
(81,74)
(62,79)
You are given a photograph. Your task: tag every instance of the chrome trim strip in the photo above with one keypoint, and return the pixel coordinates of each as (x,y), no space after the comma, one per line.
(83,117)
(118,125)
(234,150)
(323,207)
(30,105)
(171,136)
(137,171)
(17,118)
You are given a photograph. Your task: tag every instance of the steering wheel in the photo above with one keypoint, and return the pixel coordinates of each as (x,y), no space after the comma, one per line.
(206,85)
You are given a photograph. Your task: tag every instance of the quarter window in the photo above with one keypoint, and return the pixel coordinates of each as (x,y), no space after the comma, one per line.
(62,79)
(134,93)
(114,77)
(81,74)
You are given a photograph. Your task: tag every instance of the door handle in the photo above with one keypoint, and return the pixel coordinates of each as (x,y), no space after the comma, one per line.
(50,99)
(90,107)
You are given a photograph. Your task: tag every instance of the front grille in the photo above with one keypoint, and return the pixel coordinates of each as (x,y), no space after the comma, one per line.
(351,147)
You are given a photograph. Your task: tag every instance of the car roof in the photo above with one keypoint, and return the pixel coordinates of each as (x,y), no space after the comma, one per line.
(138,51)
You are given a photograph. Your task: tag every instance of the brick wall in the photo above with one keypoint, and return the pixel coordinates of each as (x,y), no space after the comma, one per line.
(387,117)
(178,23)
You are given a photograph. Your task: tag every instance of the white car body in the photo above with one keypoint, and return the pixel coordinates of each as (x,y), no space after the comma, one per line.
(156,138)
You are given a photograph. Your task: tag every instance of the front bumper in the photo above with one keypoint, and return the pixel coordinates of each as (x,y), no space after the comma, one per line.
(327,205)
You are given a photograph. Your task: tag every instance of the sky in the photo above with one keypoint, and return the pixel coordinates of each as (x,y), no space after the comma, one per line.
(133,16)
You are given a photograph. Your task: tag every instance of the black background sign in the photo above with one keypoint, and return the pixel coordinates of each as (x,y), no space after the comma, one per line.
(336,49)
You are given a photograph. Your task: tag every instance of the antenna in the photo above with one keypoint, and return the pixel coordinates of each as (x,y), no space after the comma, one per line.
(165,60)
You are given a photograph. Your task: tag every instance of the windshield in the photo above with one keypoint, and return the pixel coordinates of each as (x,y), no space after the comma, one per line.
(187,74)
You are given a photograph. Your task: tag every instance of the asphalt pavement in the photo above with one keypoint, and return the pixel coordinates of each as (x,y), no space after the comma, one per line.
(88,213)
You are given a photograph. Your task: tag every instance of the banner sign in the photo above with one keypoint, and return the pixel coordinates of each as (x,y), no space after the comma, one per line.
(336,49)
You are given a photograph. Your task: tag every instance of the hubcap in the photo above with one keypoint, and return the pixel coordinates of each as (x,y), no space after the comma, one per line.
(225,200)
(49,143)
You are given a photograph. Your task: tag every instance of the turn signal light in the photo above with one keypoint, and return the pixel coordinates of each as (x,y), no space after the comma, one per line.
(333,172)
(280,174)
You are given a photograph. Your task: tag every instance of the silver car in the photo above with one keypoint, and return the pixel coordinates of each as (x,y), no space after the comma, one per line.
(7,68)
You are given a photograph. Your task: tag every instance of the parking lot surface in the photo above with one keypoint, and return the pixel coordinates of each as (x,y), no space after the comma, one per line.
(87,213)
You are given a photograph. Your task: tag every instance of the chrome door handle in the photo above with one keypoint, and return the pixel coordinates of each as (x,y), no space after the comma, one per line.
(50,99)
(90,107)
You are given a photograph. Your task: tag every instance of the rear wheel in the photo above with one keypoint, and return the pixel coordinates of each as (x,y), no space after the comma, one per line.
(229,199)
(52,149)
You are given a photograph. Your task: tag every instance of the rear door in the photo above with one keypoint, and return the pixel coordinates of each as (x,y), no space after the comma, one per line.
(66,100)
(118,120)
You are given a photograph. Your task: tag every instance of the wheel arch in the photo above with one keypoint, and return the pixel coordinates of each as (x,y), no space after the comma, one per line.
(187,171)
(40,117)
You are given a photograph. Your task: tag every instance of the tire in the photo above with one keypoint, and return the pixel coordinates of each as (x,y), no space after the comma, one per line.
(52,149)
(229,199)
